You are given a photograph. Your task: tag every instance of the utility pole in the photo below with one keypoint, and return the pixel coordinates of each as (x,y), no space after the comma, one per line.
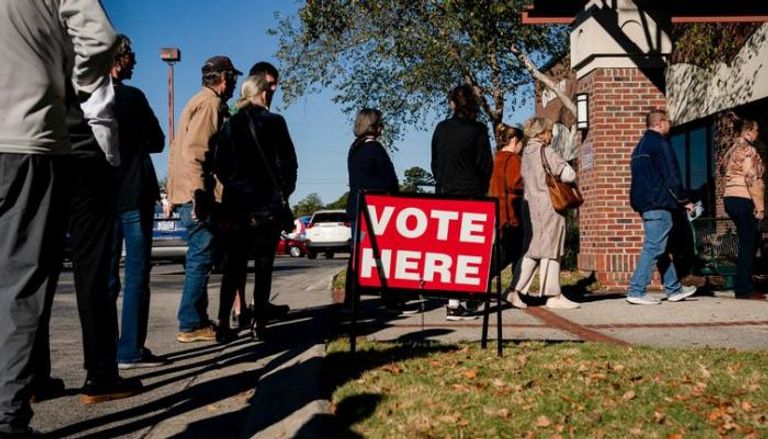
(171,55)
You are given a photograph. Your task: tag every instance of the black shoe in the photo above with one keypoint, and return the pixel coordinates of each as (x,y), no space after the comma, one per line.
(46,388)
(148,359)
(101,390)
(225,335)
(459,313)
(259,331)
(243,320)
(276,312)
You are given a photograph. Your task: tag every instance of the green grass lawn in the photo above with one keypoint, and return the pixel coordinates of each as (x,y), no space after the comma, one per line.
(540,390)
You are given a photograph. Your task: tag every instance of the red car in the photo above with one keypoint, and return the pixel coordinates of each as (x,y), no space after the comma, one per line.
(296,248)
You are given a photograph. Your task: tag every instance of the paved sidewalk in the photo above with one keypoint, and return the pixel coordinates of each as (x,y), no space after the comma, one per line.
(698,321)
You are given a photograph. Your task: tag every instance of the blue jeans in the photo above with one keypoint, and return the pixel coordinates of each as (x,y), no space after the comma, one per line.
(742,212)
(193,310)
(657,225)
(135,226)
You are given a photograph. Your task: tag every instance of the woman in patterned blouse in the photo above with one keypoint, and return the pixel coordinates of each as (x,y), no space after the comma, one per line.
(744,201)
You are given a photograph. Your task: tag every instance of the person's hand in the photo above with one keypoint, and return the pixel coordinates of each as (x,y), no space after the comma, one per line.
(760,214)
(690,208)
(167,209)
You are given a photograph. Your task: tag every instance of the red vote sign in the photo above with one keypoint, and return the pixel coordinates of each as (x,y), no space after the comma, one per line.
(427,243)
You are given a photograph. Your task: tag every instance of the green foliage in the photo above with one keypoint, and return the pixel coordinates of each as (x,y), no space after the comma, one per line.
(707,44)
(415,179)
(309,205)
(341,203)
(403,56)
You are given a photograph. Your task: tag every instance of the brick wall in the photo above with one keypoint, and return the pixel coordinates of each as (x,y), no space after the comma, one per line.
(611,233)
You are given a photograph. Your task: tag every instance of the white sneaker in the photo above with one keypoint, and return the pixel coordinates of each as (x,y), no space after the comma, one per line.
(513,298)
(643,300)
(561,302)
(682,294)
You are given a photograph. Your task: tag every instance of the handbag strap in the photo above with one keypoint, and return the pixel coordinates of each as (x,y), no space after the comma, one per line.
(255,137)
(544,162)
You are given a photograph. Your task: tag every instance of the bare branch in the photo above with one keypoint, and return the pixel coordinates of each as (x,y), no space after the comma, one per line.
(544,79)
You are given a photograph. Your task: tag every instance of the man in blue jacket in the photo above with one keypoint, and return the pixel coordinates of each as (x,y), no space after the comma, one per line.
(656,191)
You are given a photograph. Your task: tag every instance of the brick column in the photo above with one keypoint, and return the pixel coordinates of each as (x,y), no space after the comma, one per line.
(611,233)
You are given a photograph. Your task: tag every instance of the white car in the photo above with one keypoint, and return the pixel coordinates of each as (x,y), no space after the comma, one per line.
(328,232)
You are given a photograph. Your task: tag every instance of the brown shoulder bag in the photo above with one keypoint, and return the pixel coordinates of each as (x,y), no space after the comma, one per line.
(564,196)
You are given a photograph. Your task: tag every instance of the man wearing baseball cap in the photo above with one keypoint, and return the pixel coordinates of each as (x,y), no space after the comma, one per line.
(193,189)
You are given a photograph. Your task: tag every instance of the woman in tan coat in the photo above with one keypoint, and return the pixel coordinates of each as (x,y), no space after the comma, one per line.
(545,228)
(744,201)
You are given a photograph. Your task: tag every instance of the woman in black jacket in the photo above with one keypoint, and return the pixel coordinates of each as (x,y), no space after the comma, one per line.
(369,167)
(256,163)
(461,162)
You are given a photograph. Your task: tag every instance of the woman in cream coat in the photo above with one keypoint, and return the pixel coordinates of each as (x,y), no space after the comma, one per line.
(545,228)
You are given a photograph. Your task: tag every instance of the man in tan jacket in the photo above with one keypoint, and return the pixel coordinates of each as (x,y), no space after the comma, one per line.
(194,190)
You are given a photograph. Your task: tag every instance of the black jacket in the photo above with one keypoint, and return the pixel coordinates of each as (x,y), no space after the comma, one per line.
(656,182)
(140,136)
(239,166)
(461,157)
(369,168)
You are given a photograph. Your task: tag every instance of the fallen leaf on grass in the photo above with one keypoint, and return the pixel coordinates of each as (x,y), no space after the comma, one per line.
(460,387)
(746,406)
(448,419)
(596,416)
(543,422)
(392,368)
(503,413)
(659,417)
(629,396)
(704,371)
(470,374)
(675,436)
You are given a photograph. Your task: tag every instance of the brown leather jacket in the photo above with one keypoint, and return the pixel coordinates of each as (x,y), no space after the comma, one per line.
(190,164)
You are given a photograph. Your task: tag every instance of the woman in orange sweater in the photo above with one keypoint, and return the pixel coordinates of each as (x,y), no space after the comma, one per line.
(744,201)
(507,186)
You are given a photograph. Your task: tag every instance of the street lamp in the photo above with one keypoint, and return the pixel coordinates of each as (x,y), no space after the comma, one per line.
(171,56)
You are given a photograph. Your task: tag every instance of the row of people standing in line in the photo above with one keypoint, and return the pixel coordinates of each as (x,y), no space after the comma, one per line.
(531,228)
(462,165)
(85,166)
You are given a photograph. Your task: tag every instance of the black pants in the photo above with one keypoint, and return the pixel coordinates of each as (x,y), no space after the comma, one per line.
(240,245)
(91,226)
(742,212)
(33,205)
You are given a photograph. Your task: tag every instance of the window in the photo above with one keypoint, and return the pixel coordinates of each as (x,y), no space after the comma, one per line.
(694,147)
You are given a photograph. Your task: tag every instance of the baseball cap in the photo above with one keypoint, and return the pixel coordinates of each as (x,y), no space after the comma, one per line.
(218,64)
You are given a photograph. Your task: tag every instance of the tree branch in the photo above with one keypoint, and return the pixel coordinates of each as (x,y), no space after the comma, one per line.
(544,79)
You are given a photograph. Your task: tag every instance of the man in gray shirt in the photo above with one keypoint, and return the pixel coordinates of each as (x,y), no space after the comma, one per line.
(43,43)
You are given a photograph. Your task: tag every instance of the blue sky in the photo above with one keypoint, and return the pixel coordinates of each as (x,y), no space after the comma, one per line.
(238,29)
